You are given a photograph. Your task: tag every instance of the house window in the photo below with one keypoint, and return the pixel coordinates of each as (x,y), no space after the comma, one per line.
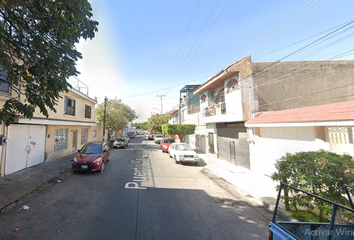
(87,111)
(4,83)
(84,135)
(220,98)
(233,85)
(94,133)
(203,98)
(69,106)
(61,139)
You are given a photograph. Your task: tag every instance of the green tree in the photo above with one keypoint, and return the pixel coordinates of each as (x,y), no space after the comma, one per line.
(38,53)
(320,173)
(156,121)
(179,129)
(118,115)
(142,125)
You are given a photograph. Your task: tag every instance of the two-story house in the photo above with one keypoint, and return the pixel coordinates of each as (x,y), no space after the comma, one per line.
(33,141)
(222,110)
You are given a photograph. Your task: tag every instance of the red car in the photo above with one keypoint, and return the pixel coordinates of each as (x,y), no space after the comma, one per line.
(165,144)
(151,135)
(131,135)
(92,157)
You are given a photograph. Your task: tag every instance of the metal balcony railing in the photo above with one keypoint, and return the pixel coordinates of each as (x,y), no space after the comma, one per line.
(78,85)
(214,110)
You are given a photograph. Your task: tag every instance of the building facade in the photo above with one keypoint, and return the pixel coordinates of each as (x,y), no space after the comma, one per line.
(34,141)
(246,89)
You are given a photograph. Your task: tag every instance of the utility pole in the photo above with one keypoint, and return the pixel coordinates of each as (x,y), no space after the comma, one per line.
(104,116)
(161,101)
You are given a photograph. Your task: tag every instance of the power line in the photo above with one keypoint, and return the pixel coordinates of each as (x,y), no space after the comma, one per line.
(301,41)
(204,38)
(270,38)
(180,44)
(195,41)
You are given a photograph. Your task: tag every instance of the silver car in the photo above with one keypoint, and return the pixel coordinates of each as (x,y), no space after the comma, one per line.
(158,137)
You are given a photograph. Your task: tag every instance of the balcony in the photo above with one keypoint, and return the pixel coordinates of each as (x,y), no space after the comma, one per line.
(217,113)
(213,110)
(78,85)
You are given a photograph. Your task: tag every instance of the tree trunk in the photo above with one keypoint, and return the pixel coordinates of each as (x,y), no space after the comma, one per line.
(182,138)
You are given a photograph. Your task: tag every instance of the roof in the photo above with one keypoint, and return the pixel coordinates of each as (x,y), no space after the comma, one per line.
(334,112)
(189,88)
(218,79)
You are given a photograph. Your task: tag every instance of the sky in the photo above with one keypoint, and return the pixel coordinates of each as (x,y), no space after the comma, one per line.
(146,51)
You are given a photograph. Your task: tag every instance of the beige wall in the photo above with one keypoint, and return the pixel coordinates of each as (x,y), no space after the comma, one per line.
(79,108)
(50,139)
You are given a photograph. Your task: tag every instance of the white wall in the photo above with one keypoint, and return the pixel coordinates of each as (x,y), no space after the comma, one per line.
(274,143)
(233,102)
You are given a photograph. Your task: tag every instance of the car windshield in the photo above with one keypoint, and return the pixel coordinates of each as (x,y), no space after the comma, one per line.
(121,139)
(91,149)
(168,141)
(182,147)
(159,135)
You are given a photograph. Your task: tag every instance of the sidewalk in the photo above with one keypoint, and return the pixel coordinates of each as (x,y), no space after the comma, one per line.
(259,186)
(15,186)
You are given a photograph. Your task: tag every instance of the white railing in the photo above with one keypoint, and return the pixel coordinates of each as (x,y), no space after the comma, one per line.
(78,85)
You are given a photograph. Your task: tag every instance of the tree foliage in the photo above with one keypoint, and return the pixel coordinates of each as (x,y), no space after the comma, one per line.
(156,121)
(142,125)
(320,173)
(179,129)
(38,53)
(118,115)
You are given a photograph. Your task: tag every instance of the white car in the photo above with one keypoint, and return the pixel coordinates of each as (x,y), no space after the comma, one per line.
(157,138)
(182,152)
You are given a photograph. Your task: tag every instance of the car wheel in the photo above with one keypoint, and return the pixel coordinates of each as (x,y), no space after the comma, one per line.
(125,146)
(103,166)
(176,160)
(170,155)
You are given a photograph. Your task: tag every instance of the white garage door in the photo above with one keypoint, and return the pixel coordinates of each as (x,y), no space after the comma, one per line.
(25,147)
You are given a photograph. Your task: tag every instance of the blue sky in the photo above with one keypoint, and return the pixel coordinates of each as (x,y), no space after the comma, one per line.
(145,48)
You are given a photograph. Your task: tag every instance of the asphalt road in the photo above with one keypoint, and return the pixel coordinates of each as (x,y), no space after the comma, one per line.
(142,194)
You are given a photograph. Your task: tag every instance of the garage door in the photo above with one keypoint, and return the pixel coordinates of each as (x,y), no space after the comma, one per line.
(233,146)
(25,147)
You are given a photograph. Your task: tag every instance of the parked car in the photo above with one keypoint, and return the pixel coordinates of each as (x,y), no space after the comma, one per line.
(92,157)
(120,142)
(151,135)
(182,152)
(131,134)
(158,137)
(126,136)
(165,143)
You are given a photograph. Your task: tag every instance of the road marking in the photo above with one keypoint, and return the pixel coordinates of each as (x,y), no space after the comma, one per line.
(139,175)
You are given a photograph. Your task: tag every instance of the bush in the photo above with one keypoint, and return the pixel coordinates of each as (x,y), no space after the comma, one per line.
(320,173)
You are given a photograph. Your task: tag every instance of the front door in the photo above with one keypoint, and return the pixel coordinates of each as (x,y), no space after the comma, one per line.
(211,142)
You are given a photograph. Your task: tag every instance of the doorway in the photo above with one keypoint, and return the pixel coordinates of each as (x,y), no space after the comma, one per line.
(211,142)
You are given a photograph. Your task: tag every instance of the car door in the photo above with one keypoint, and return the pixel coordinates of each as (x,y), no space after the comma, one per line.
(172,149)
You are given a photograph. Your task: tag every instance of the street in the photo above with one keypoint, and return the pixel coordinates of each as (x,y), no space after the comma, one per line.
(142,194)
